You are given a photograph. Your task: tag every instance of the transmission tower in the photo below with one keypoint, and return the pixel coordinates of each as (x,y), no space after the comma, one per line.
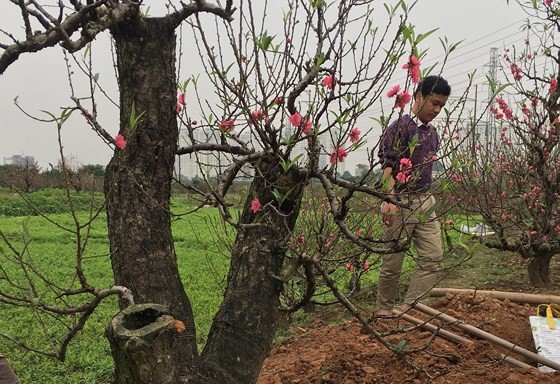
(491,131)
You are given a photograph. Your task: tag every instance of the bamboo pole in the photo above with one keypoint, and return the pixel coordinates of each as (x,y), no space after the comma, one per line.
(456,338)
(516,297)
(434,329)
(487,336)
(516,363)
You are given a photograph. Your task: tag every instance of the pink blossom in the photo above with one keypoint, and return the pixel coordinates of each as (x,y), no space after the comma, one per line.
(348,266)
(515,71)
(301,239)
(180,101)
(402,177)
(393,91)
(181,98)
(120,142)
(295,119)
(338,155)
(405,164)
(553,85)
(306,126)
(256,205)
(503,216)
(403,98)
(354,135)
(257,115)
(227,125)
(548,2)
(329,81)
(413,66)
(278,100)
(366,265)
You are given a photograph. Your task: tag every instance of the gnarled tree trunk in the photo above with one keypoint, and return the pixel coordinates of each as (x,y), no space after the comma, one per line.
(138,192)
(138,178)
(539,270)
(246,321)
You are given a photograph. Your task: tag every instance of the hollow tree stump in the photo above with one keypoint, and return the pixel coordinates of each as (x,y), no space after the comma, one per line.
(146,345)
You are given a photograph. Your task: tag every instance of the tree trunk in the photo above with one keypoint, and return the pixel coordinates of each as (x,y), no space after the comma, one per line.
(246,321)
(145,345)
(138,178)
(138,191)
(539,270)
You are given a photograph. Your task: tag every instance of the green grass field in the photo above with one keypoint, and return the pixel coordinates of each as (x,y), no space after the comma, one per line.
(202,246)
(202,257)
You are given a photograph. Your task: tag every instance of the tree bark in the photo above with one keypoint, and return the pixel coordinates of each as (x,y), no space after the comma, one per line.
(138,191)
(145,345)
(138,178)
(539,270)
(246,321)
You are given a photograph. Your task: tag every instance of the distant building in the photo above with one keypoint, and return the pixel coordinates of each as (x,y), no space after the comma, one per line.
(19,160)
(361,169)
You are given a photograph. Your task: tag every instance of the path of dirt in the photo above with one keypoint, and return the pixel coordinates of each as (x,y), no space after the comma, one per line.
(328,353)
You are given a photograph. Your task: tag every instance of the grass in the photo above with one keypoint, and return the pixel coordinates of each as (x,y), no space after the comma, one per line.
(202,247)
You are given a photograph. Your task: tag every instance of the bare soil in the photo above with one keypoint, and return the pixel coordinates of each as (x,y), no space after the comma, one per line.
(334,349)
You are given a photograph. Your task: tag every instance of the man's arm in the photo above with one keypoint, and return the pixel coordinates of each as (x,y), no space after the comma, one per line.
(388,210)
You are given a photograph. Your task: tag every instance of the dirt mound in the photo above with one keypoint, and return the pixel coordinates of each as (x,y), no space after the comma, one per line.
(342,354)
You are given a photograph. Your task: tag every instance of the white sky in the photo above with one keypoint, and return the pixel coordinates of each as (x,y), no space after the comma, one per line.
(40,80)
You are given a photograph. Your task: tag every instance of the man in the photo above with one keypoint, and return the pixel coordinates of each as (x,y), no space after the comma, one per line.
(407,152)
(7,375)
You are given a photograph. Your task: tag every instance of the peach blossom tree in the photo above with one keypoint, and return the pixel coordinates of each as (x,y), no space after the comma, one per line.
(510,176)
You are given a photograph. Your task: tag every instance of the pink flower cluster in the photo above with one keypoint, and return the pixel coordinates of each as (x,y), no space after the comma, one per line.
(405,171)
(504,108)
(256,116)
(227,125)
(515,71)
(413,66)
(354,135)
(329,81)
(181,102)
(120,142)
(365,264)
(553,85)
(402,98)
(338,155)
(256,205)
(300,122)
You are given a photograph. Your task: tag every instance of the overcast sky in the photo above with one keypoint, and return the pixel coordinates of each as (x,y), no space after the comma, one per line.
(40,80)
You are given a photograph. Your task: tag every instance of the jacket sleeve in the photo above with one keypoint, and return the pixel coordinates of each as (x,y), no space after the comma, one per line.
(392,141)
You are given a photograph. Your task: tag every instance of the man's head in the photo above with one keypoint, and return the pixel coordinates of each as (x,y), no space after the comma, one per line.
(430,97)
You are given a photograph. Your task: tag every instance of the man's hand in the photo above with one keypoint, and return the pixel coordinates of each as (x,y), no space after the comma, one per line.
(388,213)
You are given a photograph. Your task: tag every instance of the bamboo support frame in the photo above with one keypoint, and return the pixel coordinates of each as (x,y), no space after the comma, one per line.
(456,338)
(487,336)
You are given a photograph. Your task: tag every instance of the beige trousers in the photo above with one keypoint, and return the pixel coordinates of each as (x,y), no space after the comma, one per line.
(416,222)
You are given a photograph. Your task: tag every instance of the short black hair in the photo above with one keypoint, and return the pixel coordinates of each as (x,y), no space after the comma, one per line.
(433,84)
